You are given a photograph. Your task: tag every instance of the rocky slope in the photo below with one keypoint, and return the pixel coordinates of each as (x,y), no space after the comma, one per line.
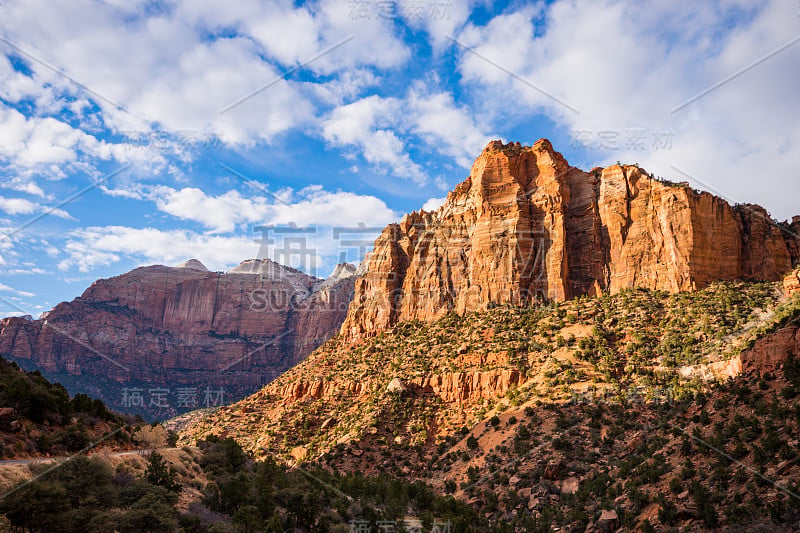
(185,328)
(593,413)
(549,346)
(39,419)
(781,338)
(461,367)
(525,226)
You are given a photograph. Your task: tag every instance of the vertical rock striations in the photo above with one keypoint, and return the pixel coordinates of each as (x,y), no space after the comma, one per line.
(526,226)
(164,327)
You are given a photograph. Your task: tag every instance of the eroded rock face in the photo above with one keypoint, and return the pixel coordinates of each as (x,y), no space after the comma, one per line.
(470,386)
(525,225)
(450,387)
(771,351)
(791,284)
(182,327)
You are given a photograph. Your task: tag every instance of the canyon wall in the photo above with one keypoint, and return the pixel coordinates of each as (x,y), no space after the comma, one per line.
(181,327)
(527,226)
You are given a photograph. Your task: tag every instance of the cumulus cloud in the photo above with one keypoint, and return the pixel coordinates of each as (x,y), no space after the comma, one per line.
(17,206)
(21,206)
(440,19)
(367,124)
(379,127)
(219,213)
(622,70)
(310,206)
(433,204)
(314,205)
(453,130)
(315,250)
(27,186)
(33,147)
(94,247)
(198,66)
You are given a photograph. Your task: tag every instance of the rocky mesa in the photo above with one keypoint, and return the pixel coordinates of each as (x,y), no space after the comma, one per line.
(525,225)
(184,327)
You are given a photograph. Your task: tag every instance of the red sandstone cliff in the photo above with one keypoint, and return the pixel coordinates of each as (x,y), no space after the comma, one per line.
(791,284)
(772,350)
(171,327)
(525,225)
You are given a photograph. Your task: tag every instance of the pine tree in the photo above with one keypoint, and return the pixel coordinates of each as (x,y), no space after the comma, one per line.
(160,474)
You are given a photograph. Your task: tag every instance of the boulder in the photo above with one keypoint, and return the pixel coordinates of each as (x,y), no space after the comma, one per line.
(396,386)
(608,521)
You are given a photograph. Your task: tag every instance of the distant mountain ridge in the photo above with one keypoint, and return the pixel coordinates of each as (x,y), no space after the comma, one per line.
(184,327)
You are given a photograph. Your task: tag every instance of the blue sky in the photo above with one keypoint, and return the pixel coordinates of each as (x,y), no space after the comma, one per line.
(141,132)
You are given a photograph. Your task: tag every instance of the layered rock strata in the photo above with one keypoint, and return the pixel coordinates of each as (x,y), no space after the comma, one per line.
(182,328)
(527,226)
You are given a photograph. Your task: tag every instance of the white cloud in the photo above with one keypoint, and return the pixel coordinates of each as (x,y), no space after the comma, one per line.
(37,141)
(433,204)
(94,247)
(24,271)
(228,71)
(347,86)
(451,129)
(307,207)
(132,192)
(6,245)
(367,124)
(24,294)
(17,206)
(316,251)
(13,314)
(379,128)
(319,207)
(15,86)
(20,206)
(440,19)
(179,78)
(23,185)
(626,66)
(219,213)
(33,147)
(294,34)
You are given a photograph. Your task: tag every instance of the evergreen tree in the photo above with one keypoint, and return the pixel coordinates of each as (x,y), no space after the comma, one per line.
(160,474)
